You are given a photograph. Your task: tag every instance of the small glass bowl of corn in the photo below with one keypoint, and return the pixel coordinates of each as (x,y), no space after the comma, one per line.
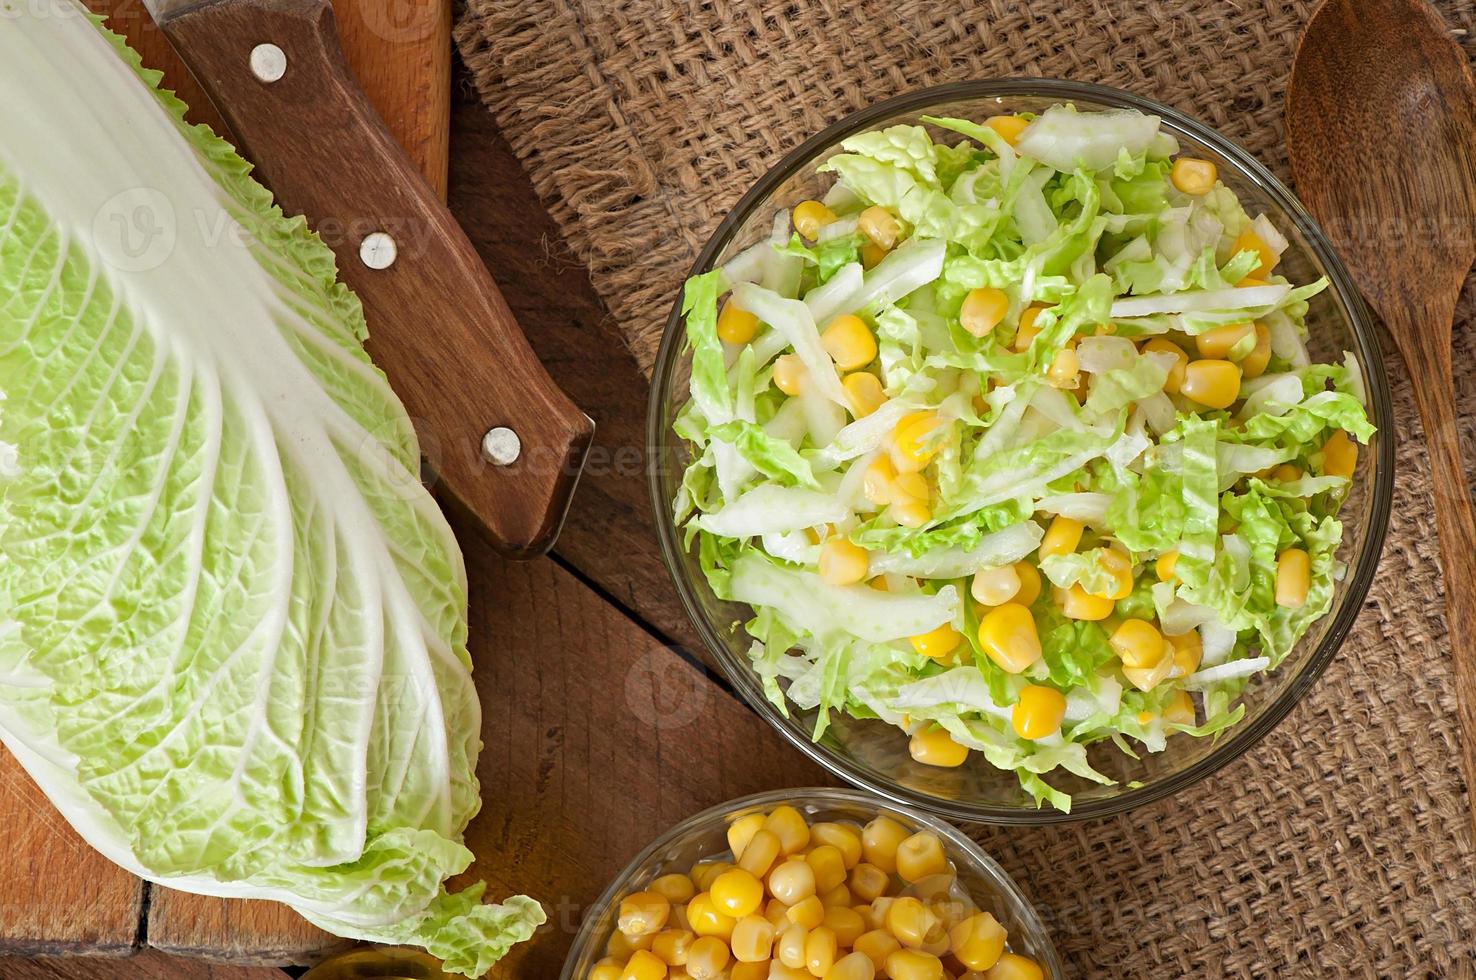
(812,884)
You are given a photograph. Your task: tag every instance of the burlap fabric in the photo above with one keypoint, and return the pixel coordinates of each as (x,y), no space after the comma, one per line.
(1342,845)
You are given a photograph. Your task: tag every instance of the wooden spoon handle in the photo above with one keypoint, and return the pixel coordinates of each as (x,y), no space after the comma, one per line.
(1456,521)
(504,442)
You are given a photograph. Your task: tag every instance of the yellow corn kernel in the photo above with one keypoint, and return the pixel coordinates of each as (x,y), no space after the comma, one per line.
(1250,282)
(705,919)
(741,831)
(1193,176)
(1188,652)
(938,643)
(789,948)
(912,922)
(1160,345)
(1179,710)
(753,939)
(644,965)
(1026,331)
(758,970)
(912,964)
(876,945)
(1148,676)
(839,895)
(809,217)
(1012,966)
(879,840)
(1029,583)
(845,922)
(1076,603)
(978,941)
(913,514)
(1008,127)
(1038,712)
(708,958)
(677,889)
(672,945)
(790,374)
(869,882)
(871,254)
(915,441)
(1064,371)
(878,225)
(760,854)
(852,966)
(1254,364)
(875,914)
(849,342)
(1165,565)
(829,866)
(996,585)
(843,837)
(1007,634)
(1339,455)
(1212,383)
(704,873)
(792,881)
(820,950)
(843,563)
(737,893)
(736,325)
(1137,643)
(933,746)
(983,309)
(1293,576)
(643,913)
(1119,567)
(1220,341)
(607,969)
(620,946)
(777,912)
(1248,240)
(921,855)
(864,392)
(878,480)
(1061,538)
(1286,473)
(781,972)
(790,826)
(910,488)
(809,912)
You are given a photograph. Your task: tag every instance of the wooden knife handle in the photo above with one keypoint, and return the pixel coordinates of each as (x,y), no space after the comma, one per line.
(438,325)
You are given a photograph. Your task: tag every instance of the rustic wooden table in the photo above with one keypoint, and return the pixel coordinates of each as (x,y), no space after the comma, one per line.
(603,725)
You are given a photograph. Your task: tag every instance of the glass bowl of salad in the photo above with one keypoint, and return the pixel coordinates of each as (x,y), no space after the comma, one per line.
(1022,451)
(812,882)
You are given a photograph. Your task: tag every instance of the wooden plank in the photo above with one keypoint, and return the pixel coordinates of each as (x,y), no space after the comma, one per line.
(146,965)
(610,536)
(597,738)
(57,895)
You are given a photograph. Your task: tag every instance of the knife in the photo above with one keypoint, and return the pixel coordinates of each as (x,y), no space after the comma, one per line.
(503,443)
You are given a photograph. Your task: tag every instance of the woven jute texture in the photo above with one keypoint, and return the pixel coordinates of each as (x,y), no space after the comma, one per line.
(1341,845)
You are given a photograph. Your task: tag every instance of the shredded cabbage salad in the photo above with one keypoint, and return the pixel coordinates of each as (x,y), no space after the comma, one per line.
(1014,442)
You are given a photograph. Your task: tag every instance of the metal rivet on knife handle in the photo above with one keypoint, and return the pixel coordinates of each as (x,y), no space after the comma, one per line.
(268,62)
(501,446)
(378,250)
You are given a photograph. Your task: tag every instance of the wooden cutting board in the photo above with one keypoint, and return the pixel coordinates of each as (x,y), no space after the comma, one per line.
(56,894)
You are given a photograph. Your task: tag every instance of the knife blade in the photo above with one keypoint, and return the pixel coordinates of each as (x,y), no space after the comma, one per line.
(502,441)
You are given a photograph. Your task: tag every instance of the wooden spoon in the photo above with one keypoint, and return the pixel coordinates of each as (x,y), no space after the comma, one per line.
(1381,126)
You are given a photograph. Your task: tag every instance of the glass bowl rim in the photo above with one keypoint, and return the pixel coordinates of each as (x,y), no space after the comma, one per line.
(1363,568)
(953,837)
